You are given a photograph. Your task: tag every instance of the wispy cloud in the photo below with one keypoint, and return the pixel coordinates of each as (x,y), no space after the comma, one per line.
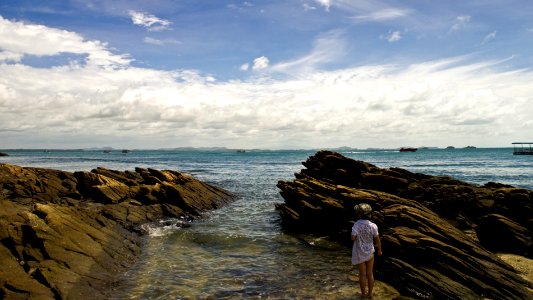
(393,36)
(149,21)
(328,47)
(308,7)
(459,23)
(161,42)
(241,7)
(383,15)
(489,37)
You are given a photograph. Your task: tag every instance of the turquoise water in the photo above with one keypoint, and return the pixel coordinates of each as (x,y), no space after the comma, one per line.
(240,251)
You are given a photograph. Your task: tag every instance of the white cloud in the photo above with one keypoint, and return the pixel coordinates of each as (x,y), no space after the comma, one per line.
(427,103)
(241,7)
(158,42)
(260,63)
(328,47)
(460,23)
(383,15)
(244,67)
(489,37)
(10,56)
(149,40)
(18,39)
(325,3)
(393,36)
(149,21)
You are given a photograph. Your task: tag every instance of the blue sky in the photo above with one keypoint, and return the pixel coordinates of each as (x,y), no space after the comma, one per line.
(265,74)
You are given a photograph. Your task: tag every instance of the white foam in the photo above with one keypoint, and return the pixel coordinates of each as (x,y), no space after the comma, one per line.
(163,227)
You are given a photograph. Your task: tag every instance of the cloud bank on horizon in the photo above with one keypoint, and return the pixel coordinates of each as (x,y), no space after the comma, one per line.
(287,74)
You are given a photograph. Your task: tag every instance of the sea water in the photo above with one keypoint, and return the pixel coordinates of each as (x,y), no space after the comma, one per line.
(241,250)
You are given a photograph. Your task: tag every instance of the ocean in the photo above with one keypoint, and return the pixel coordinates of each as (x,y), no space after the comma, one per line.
(241,250)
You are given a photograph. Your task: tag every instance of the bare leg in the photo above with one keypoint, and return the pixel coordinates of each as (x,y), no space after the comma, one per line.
(370,275)
(362,278)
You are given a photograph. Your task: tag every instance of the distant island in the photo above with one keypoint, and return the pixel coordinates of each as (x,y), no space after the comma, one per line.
(109,149)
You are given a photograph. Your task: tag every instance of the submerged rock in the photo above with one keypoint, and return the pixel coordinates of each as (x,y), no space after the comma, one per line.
(68,235)
(421,219)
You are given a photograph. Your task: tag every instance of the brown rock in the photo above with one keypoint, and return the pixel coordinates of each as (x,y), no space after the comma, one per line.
(65,235)
(459,202)
(424,255)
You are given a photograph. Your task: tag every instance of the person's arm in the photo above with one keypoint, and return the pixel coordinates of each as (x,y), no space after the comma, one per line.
(378,244)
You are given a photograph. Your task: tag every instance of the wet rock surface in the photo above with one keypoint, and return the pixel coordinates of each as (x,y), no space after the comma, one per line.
(69,235)
(422,221)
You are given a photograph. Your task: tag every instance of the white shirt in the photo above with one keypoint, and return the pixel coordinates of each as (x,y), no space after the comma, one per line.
(363,246)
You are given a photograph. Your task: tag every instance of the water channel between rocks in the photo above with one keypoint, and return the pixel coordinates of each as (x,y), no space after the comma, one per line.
(239,251)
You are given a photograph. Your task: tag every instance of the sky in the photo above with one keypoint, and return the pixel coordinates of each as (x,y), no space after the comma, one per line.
(272,74)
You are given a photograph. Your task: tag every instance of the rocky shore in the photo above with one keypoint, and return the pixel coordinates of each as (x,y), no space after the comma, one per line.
(440,235)
(70,235)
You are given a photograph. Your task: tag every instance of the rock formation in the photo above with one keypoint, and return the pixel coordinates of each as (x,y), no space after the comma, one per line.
(3,154)
(423,221)
(69,235)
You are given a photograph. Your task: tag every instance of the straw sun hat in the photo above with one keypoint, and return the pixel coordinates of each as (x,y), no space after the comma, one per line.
(363,210)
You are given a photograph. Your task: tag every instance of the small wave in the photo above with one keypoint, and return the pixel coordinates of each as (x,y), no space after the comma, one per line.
(164,227)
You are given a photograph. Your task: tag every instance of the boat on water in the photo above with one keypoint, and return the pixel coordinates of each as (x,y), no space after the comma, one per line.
(408,149)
